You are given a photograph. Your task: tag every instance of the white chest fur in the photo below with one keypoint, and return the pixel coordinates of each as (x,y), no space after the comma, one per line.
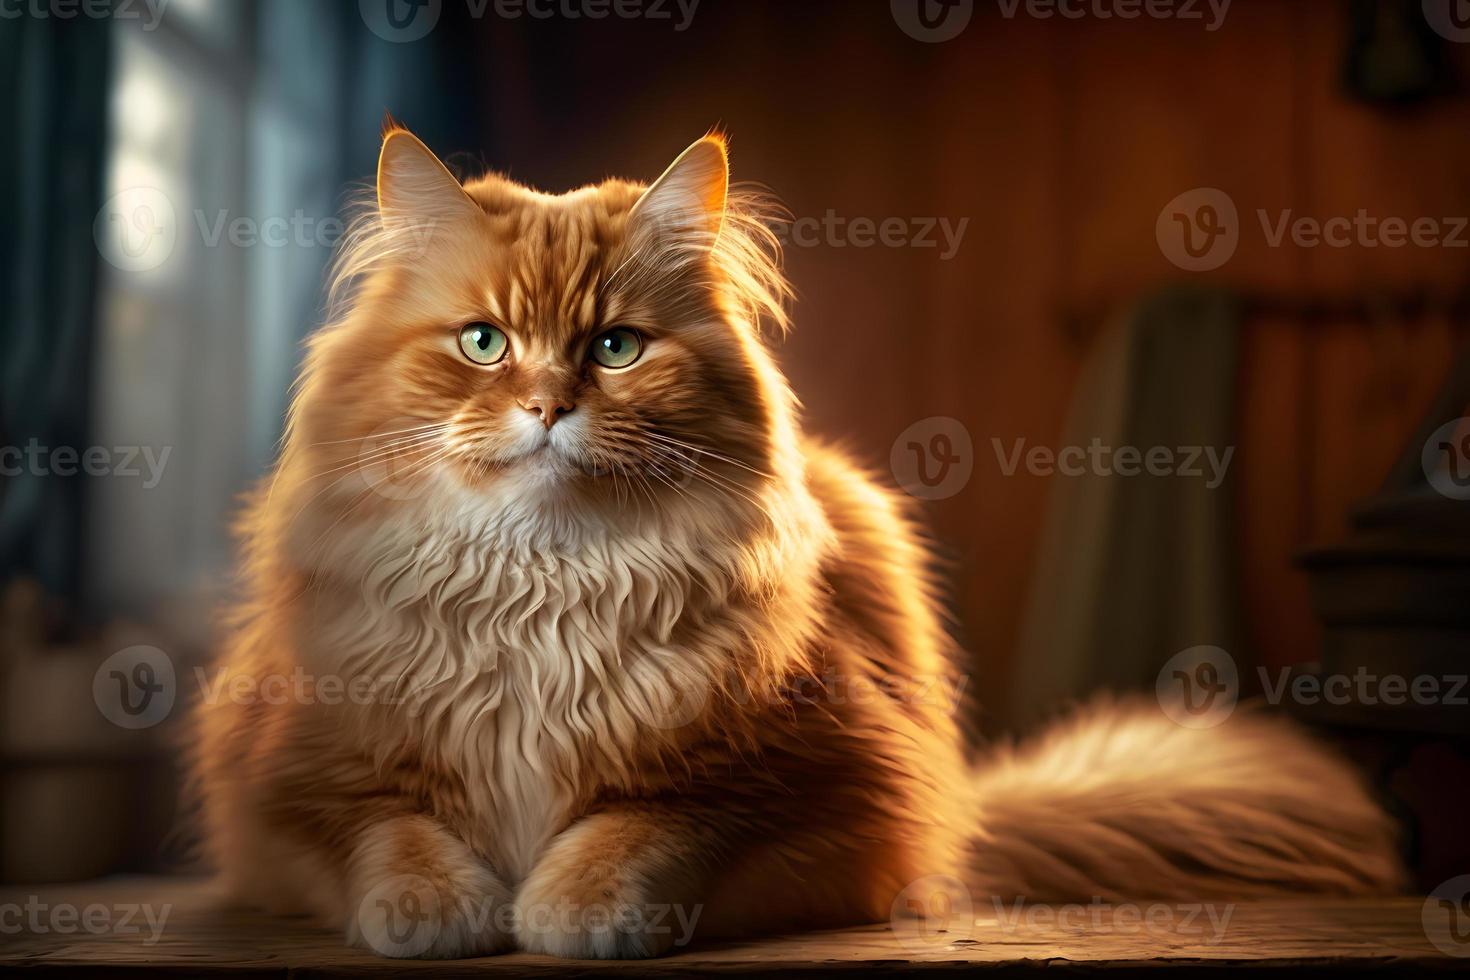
(520,656)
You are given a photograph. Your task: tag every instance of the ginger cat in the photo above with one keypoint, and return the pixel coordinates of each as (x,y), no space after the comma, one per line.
(601,652)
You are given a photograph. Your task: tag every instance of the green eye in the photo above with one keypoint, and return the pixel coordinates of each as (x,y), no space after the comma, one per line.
(483,343)
(617,348)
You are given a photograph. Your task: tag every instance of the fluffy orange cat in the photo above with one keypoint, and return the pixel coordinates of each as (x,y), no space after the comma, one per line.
(601,652)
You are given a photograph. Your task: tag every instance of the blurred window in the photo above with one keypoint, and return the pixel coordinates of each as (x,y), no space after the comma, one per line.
(221,214)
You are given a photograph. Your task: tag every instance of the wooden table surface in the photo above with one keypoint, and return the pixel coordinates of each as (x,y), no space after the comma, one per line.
(88,930)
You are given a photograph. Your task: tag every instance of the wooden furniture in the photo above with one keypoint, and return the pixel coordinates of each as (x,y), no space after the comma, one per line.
(1393,600)
(1393,597)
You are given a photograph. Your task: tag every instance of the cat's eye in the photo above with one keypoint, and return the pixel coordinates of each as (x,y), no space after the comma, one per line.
(483,343)
(617,348)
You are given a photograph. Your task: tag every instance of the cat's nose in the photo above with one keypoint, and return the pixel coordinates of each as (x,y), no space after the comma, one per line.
(549,408)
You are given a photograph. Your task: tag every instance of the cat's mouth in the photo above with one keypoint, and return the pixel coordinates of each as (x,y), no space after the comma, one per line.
(561,455)
(546,455)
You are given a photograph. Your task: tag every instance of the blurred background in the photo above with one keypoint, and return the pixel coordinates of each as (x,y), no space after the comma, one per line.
(1157,310)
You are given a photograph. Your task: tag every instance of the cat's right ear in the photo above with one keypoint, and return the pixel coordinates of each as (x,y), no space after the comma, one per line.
(687,204)
(414,185)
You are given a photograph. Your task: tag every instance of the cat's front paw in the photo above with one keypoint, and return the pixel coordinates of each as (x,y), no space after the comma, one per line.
(415,891)
(588,916)
(406,916)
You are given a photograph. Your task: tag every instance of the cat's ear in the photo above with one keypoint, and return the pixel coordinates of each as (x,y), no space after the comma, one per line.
(413,184)
(688,201)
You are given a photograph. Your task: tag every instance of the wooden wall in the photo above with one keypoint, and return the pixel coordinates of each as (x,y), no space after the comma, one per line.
(1060,141)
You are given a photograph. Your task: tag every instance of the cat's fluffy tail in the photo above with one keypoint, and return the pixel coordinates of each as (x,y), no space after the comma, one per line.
(1119,802)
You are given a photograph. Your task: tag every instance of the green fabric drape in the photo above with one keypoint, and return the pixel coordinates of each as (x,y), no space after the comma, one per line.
(1134,569)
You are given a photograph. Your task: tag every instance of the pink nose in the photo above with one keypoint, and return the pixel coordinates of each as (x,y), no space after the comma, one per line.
(548,408)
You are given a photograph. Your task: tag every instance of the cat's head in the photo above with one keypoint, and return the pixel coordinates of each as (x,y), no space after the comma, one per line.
(598,345)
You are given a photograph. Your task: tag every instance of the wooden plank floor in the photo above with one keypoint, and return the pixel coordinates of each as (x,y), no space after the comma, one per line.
(176,927)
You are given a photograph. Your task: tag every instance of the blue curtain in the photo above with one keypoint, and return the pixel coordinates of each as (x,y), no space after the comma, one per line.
(52,161)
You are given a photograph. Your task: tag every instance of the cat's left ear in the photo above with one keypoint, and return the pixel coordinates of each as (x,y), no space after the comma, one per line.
(688,201)
(414,185)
